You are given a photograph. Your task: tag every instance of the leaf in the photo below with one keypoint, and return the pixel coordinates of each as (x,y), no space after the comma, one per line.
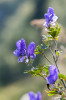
(63,99)
(47,38)
(41,67)
(61,76)
(36,71)
(46,69)
(43,46)
(52,92)
(54,31)
(40,49)
(37,50)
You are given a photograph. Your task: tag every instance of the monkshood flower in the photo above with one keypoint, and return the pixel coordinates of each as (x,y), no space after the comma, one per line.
(30,52)
(24,53)
(50,18)
(33,97)
(53,75)
(21,50)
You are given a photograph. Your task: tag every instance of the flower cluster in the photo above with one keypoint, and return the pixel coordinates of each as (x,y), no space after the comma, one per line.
(24,53)
(53,71)
(50,18)
(33,97)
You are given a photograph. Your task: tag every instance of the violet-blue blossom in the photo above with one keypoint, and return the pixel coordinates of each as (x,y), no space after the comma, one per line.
(50,17)
(53,75)
(21,50)
(24,53)
(33,97)
(30,51)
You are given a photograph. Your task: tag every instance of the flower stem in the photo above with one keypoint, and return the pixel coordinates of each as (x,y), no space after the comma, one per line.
(47,59)
(41,76)
(55,61)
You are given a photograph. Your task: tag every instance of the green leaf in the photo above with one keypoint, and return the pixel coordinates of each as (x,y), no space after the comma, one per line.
(43,46)
(54,31)
(37,50)
(36,71)
(46,69)
(52,92)
(63,99)
(47,38)
(41,67)
(40,49)
(61,76)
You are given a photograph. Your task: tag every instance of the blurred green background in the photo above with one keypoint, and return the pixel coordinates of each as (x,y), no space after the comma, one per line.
(15,18)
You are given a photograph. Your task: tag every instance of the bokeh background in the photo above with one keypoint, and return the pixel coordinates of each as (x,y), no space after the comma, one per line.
(15,18)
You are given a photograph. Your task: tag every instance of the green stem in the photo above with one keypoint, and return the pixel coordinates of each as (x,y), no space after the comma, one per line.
(55,61)
(42,76)
(48,59)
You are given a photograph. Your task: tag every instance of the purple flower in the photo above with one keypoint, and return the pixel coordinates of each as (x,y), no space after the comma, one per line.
(53,71)
(21,50)
(23,53)
(33,97)
(50,17)
(30,51)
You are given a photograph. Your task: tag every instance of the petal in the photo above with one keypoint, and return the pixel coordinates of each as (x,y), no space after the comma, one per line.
(33,56)
(53,75)
(53,70)
(54,18)
(50,11)
(18,44)
(32,96)
(30,49)
(16,53)
(27,60)
(23,52)
(21,59)
(21,46)
(38,96)
(50,80)
(46,24)
(47,18)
